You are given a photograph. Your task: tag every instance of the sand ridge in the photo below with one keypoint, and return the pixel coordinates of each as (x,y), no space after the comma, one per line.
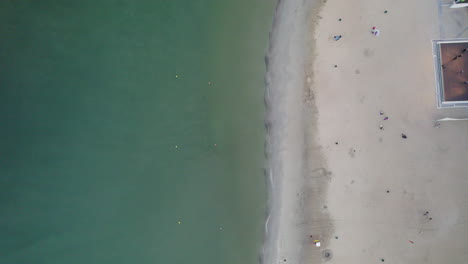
(293,180)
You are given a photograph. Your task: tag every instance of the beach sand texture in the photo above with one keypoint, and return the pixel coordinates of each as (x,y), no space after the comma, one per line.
(340,172)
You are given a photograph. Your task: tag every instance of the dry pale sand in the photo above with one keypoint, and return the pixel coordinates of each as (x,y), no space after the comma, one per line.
(334,174)
(381,184)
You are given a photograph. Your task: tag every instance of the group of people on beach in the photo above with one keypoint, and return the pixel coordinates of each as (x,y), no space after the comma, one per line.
(427,214)
(374,30)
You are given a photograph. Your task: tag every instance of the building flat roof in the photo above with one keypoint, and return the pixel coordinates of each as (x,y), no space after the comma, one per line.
(451,66)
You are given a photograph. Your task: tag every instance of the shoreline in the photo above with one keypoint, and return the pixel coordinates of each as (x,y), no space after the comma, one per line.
(290,124)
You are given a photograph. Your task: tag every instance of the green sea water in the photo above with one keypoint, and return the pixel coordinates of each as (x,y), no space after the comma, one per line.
(120,119)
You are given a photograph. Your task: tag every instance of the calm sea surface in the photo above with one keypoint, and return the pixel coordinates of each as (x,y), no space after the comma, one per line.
(132,131)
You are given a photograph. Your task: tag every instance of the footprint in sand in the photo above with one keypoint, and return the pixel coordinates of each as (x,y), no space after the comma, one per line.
(352,152)
(368,53)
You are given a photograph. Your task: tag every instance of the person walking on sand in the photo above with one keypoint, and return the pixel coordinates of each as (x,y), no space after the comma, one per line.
(338,37)
(375,31)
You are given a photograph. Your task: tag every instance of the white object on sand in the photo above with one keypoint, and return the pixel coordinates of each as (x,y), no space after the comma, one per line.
(459,5)
(452,119)
(317,244)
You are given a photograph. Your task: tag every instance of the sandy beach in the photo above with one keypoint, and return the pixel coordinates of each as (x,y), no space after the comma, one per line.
(339,168)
